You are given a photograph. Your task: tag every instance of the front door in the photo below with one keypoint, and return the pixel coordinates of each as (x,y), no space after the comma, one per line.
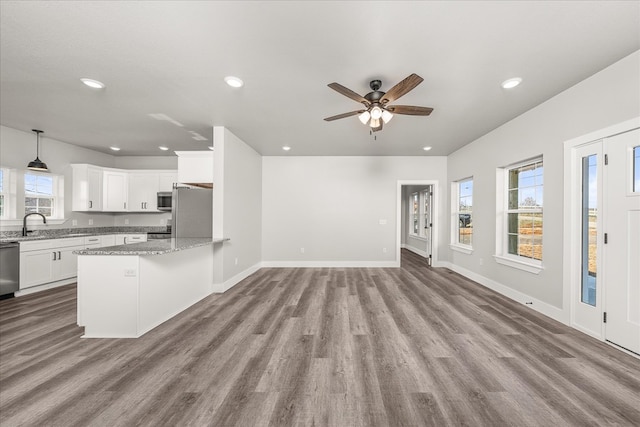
(621,248)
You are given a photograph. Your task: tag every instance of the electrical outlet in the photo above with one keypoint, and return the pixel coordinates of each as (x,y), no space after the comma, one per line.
(163,222)
(384,250)
(90,222)
(301,250)
(481,261)
(130,272)
(382,222)
(74,222)
(126,221)
(236,261)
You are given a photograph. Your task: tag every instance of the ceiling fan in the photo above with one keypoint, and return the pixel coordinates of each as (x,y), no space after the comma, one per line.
(377,111)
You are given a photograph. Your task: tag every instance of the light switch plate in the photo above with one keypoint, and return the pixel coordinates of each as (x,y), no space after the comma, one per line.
(130,272)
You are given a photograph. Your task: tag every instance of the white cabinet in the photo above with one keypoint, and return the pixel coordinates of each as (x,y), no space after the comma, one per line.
(143,191)
(118,190)
(166,180)
(195,167)
(126,239)
(86,188)
(115,191)
(44,261)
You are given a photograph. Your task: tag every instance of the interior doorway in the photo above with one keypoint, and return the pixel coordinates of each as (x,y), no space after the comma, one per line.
(604,231)
(416,218)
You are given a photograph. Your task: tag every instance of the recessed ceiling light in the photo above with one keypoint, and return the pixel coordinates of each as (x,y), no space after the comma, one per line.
(426,148)
(163,148)
(511,83)
(234,81)
(93,83)
(286,148)
(114,148)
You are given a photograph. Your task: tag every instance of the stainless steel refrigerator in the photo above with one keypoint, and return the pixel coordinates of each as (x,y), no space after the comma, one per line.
(191,212)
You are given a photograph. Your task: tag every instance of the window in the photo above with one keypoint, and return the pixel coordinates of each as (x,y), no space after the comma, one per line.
(462,219)
(2,193)
(43,194)
(420,213)
(415,216)
(636,169)
(520,204)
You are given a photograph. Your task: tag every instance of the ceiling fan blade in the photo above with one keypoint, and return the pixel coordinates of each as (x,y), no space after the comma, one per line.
(410,110)
(348,93)
(401,88)
(343,115)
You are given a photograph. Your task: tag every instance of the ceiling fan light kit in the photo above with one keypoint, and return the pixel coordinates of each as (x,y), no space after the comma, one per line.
(376,102)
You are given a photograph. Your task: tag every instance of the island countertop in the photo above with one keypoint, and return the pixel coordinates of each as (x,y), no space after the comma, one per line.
(153,247)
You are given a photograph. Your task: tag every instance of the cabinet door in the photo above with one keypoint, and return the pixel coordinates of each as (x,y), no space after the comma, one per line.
(94,186)
(36,268)
(143,191)
(109,240)
(114,191)
(66,263)
(195,167)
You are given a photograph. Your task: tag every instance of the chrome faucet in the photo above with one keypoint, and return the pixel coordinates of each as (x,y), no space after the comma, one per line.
(24,222)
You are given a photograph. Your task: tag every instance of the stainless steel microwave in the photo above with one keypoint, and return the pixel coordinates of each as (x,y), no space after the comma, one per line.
(164,200)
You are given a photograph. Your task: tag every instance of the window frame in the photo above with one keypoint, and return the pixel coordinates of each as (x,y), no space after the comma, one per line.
(502,255)
(455,243)
(14,190)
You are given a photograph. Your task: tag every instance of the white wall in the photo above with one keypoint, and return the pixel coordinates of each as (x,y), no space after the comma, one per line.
(18,148)
(608,97)
(332,207)
(237,208)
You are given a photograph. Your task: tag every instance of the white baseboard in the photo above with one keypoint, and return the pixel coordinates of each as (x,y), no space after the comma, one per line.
(218,288)
(45,286)
(417,251)
(330,264)
(533,303)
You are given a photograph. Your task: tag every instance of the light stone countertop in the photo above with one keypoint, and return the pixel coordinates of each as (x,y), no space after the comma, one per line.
(153,247)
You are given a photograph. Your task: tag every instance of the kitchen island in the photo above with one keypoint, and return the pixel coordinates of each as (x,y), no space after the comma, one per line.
(125,291)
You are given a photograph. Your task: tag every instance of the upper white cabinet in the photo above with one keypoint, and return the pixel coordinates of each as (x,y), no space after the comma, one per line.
(166,180)
(87,188)
(115,188)
(195,167)
(143,191)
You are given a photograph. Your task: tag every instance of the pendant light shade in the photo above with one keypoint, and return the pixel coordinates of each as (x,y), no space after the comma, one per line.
(37,164)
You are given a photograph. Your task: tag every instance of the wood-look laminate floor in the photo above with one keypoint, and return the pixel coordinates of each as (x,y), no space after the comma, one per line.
(414,346)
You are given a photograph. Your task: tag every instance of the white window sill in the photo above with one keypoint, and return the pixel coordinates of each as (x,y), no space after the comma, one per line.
(32,222)
(462,249)
(529,267)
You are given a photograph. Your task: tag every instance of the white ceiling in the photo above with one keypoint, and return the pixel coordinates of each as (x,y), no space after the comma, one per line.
(171,58)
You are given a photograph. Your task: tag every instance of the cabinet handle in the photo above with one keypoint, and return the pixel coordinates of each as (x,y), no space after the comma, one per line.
(54,257)
(145,205)
(125,240)
(90,204)
(125,205)
(93,240)
(59,255)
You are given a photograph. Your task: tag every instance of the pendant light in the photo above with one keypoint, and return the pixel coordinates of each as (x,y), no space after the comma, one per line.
(37,164)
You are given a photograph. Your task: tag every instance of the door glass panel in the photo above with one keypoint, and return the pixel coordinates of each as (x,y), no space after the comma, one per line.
(636,169)
(589,228)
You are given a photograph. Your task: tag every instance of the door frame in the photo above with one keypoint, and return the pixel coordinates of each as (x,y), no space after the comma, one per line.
(435,217)
(571,223)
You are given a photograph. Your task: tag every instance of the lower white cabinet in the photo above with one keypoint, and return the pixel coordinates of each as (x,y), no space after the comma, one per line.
(45,261)
(52,260)
(126,239)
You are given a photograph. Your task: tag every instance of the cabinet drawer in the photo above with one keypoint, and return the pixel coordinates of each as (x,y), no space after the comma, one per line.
(35,245)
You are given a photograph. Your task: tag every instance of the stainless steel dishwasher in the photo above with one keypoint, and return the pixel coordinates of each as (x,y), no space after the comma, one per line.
(9,269)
